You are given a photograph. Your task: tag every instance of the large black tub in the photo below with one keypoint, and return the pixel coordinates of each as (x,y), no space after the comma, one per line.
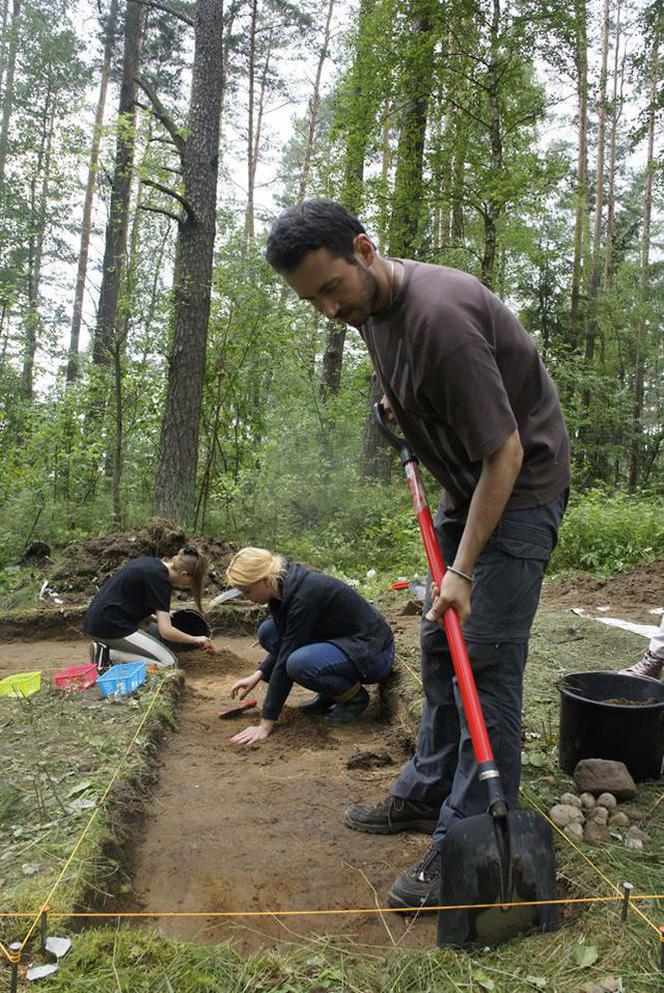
(608,715)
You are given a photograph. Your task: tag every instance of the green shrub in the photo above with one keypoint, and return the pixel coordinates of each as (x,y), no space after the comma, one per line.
(608,533)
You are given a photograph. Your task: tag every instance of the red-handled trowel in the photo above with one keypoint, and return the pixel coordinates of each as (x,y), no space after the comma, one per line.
(497,868)
(237,708)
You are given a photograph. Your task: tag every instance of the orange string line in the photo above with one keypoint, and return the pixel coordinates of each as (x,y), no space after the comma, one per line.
(335,912)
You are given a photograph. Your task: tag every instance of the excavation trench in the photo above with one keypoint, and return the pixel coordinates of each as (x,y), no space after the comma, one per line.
(262,829)
(259,830)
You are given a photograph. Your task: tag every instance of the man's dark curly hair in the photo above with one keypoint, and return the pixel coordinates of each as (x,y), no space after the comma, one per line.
(308,226)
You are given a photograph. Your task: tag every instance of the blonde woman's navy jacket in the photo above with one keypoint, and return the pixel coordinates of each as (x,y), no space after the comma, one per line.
(314,608)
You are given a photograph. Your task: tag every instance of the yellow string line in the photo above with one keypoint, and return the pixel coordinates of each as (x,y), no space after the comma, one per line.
(566,837)
(318,912)
(15,956)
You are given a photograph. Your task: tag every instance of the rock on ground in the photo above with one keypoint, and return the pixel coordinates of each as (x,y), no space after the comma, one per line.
(595,834)
(563,814)
(599,815)
(599,776)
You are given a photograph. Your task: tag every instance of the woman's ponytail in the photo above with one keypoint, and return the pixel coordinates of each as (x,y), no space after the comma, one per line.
(190,560)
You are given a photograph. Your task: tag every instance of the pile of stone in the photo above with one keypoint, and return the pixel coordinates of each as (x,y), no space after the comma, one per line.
(596,813)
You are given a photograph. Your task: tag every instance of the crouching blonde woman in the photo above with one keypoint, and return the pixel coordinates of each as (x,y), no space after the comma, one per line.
(321,634)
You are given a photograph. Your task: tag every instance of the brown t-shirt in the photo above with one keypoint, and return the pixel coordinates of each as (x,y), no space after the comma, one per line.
(461,375)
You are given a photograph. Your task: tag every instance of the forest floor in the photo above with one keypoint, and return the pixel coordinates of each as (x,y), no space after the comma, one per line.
(194,825)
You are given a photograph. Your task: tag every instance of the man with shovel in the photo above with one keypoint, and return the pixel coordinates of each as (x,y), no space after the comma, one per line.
(469,392)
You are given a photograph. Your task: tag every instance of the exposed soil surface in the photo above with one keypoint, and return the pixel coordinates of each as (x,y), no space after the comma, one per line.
(47,656)
(624,702)
(85,565)
(631,595)
(262,829)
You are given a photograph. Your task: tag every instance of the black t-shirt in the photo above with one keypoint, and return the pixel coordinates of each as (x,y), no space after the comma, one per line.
(137,590)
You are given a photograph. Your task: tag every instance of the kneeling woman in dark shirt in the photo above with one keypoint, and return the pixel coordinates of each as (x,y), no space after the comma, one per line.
(140,589)
(321,634)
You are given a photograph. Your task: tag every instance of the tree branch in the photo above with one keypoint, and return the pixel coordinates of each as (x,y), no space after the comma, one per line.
(160,210)
(160,111)
(171,193)
(167,9)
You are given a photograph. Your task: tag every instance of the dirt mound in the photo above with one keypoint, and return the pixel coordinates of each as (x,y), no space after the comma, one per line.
(639,590)
(87,564)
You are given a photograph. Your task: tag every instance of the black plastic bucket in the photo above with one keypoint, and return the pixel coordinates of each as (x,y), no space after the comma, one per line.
(591,728)
(191,622)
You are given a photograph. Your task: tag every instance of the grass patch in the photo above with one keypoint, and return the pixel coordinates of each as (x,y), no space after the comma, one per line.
(58,753)
(126,960)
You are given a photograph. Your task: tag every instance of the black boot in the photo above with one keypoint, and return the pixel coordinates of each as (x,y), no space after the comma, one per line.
(419,886)
(347,711)
(393,815)
(317,705)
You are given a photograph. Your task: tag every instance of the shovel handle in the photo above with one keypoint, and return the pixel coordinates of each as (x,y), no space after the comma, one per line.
(488,771)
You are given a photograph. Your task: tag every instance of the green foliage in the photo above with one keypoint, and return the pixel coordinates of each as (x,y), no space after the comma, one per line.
(609,532)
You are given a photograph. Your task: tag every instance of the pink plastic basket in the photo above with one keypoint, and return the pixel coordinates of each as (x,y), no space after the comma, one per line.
(76,677)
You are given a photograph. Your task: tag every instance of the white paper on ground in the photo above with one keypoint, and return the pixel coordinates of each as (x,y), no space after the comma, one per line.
(40,971)
(58,946)
(646,630)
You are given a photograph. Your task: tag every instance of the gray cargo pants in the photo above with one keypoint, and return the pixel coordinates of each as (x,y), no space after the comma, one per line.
(506,588)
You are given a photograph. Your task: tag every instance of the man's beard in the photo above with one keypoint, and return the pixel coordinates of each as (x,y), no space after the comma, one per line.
(369,294)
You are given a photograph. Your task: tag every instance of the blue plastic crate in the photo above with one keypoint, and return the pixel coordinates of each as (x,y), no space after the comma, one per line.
(123,678)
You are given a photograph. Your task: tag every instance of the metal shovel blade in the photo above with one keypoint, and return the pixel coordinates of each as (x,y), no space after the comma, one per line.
(225,597)
(487,860)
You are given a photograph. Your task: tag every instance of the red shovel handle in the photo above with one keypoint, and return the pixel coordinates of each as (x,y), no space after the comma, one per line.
(450,621)
(488,771)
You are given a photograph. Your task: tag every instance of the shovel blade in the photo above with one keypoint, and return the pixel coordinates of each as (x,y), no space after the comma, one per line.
(225,597)
(485,860)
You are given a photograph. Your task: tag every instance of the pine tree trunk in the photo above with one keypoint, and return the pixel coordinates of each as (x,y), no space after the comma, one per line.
(175,485)
(314,104)
(38,208)
(636,450)
(408,191)
(3,45)
(8,94)
(591,447)
(493,209)
(581,218)
(118,428)
(596,268)
(116,230)
(251,172)
(86,223)
(616,105)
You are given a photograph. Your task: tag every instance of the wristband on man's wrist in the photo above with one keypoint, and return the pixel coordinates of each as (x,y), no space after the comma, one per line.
(458,572)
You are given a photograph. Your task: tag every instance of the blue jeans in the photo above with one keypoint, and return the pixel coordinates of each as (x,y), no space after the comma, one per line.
(506,588)
(322,667)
